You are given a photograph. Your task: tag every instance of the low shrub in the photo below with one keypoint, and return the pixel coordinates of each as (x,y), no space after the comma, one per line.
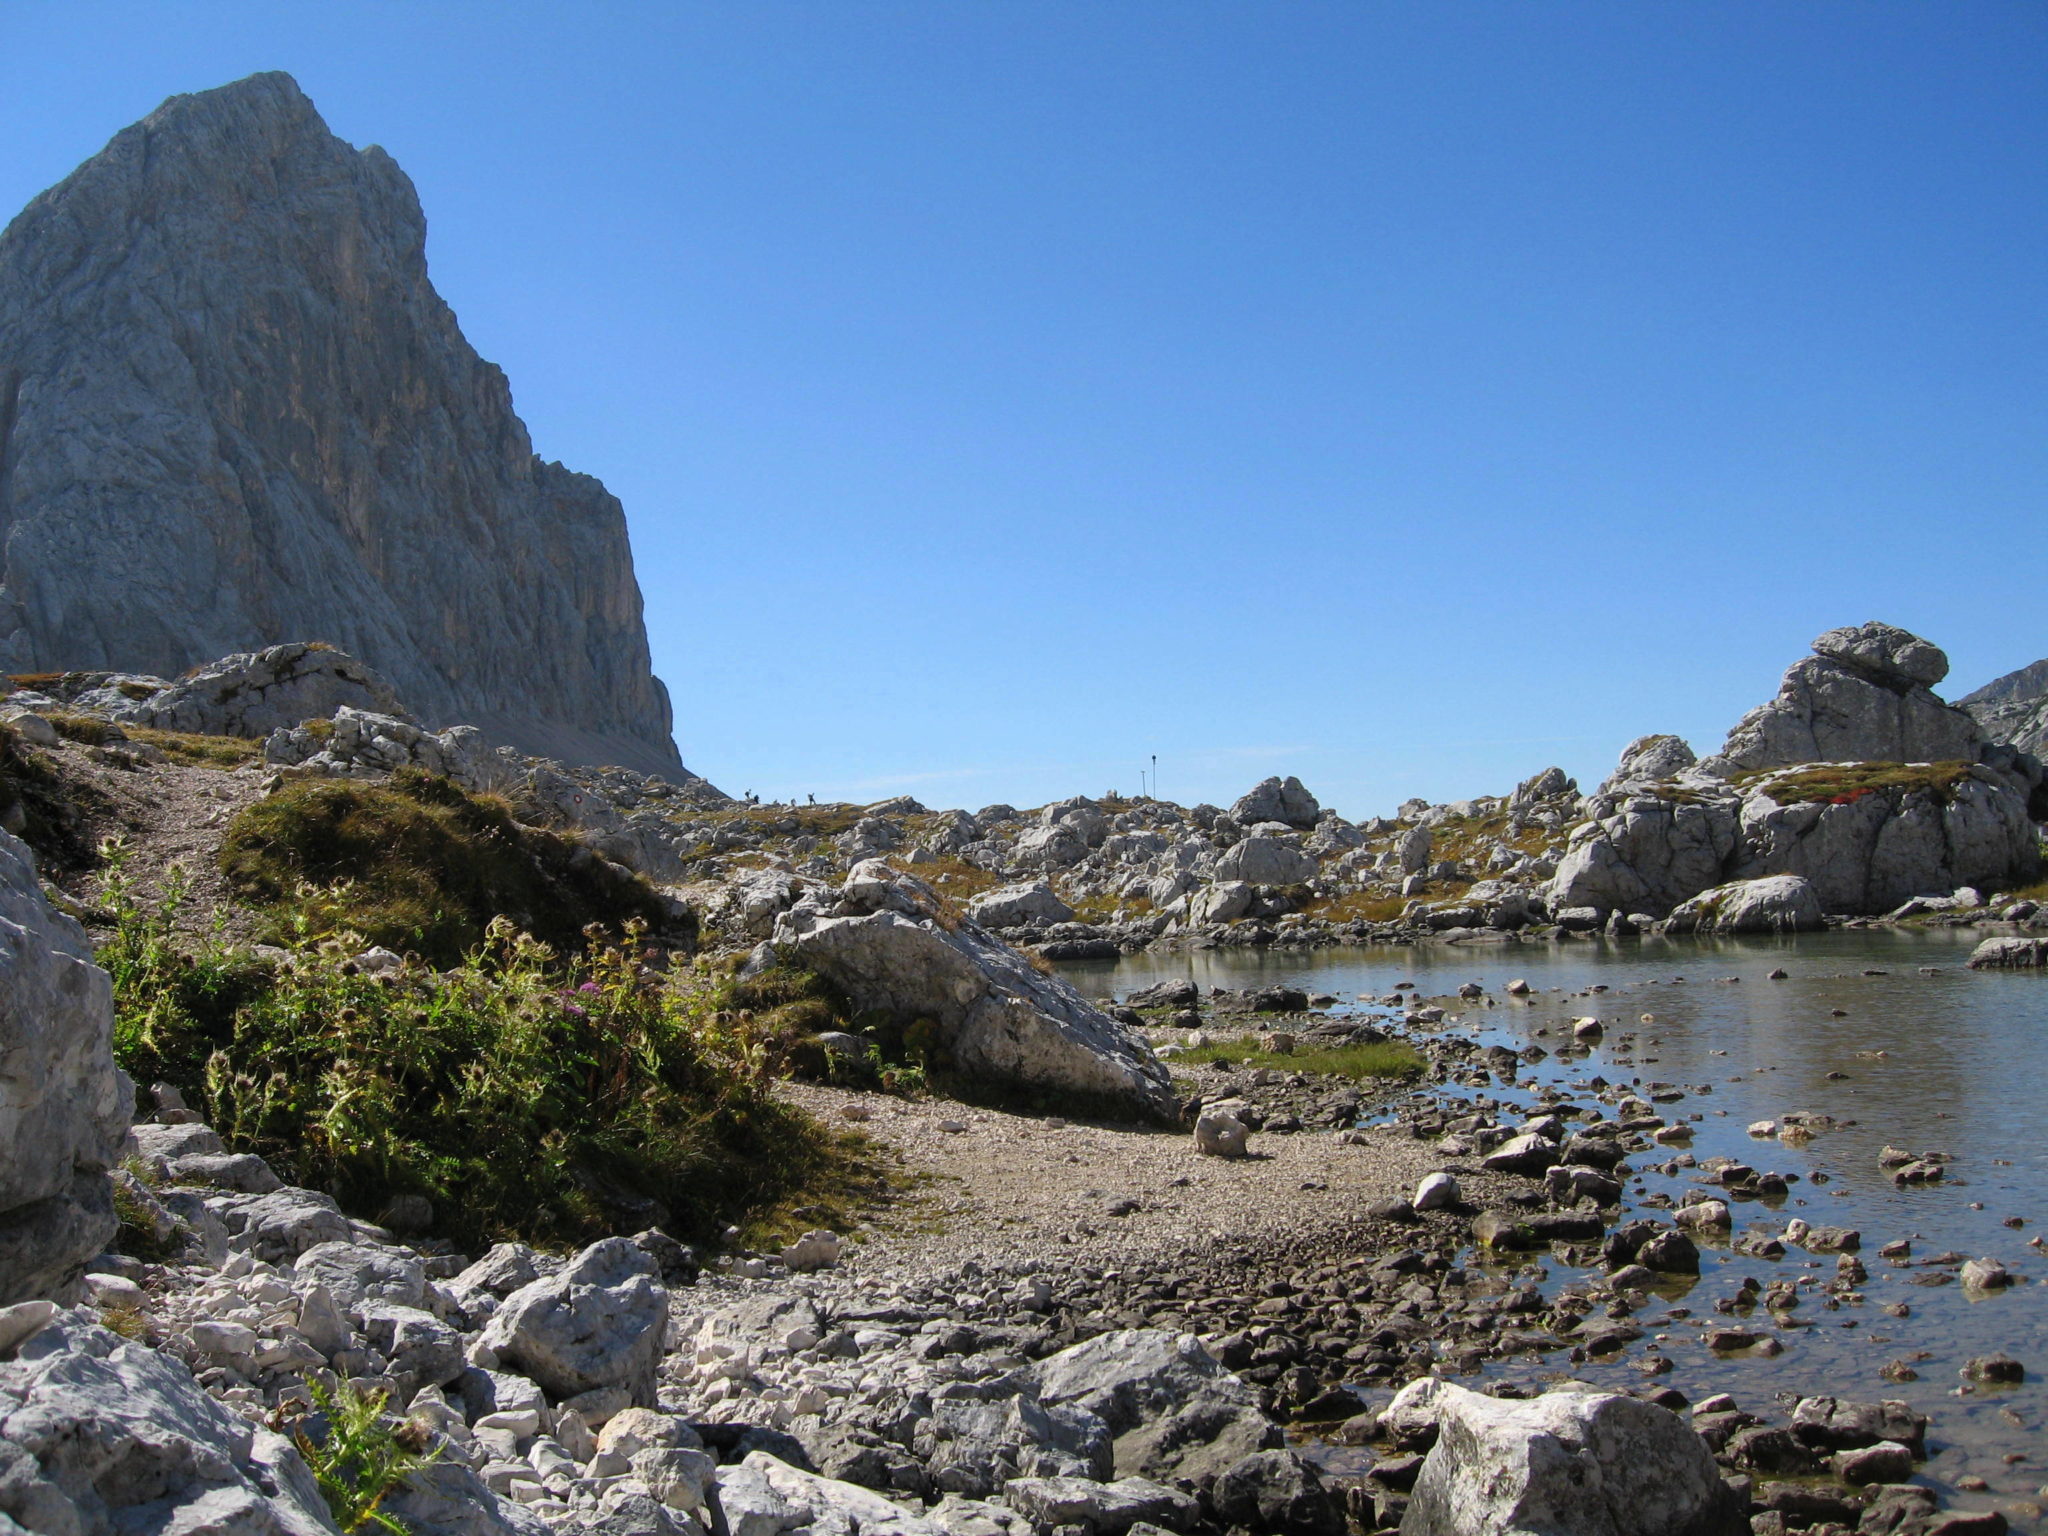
(525,1093)
(358,1454)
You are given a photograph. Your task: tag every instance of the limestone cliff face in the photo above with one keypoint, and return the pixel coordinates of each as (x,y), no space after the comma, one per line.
(234,412)
(2014,708)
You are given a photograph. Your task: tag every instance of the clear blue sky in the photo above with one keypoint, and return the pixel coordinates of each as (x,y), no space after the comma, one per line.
(1402,395)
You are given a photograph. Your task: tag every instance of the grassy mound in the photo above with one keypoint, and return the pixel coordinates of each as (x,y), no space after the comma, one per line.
(526,1095)
(192,750)
(419,866)
(1846,783)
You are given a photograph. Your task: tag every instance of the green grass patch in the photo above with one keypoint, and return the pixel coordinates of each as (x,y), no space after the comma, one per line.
(420,866)
(1383,1058)
(1356,907)
(1846,783)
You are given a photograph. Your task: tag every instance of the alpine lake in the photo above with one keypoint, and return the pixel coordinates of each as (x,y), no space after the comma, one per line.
(1884,1032)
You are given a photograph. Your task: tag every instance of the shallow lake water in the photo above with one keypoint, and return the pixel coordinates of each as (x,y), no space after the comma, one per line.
(1931,1056)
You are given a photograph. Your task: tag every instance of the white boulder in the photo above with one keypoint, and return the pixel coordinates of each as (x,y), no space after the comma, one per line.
(1568,1463)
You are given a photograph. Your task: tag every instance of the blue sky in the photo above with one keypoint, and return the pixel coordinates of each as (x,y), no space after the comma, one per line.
(1406,396)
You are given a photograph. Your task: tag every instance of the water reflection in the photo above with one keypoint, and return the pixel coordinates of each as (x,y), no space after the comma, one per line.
(1885,1032)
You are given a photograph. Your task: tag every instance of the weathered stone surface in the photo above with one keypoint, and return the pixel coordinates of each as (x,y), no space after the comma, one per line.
(1928,806)
(2014,708)
(1014,906)
(1863,697)
(253,693)
(234,412)
(361,744)
(789,1497)
(1570,1463)
(599,1323)
(979,1446)
(1650,760)
(1000,1023)
(1277,799)
(1277,1491)
(1174,1409)
(1772,904)
(99,1437)
(64,1105)
(1101,1509)
(2010,954)
(281,1225)
(448,1499)
(1218,1133)
(1868,851)
(1264,861)
(355,1273)
(1224,902)
(1643,852)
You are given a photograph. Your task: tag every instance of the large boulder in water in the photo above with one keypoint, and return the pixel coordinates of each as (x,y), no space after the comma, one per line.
(1869,836)
(1773,904)
(64,1105)
(1568,1463)
(1000,1024)
(1647,846)
(1856,778)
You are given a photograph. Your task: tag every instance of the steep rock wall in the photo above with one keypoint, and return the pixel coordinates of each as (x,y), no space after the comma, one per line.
(234,412)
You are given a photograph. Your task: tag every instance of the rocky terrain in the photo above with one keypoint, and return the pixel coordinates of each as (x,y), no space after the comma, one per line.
(2014,708)
(234,413)
(1756,838)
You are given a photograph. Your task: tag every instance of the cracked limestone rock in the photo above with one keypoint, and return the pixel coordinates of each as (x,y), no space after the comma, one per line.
(1579,1462)
(1000,1023)
(64,1105)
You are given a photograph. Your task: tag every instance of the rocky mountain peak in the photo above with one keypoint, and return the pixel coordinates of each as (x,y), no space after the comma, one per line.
(2014,708)
(235,412)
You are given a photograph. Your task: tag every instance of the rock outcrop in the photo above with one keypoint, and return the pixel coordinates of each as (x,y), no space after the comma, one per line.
(64,1105)
(255,693)
(1864,696)
(1856,778)
(2014,708)
(1284,800)
(999,1024)
(234,412)
(600,1323)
